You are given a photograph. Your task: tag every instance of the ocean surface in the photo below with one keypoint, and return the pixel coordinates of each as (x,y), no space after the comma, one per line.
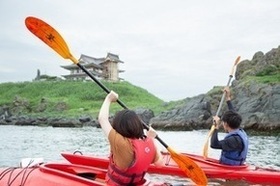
(17,142)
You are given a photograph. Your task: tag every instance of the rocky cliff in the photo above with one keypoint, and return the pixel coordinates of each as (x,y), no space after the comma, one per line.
(255,95)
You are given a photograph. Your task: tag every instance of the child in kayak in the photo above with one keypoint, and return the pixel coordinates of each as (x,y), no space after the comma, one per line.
(235,144)
(131,150)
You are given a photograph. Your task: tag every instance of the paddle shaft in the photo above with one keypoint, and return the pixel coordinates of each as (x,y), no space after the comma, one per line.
(119,101)
(99,83)
(223,97)
(230,77)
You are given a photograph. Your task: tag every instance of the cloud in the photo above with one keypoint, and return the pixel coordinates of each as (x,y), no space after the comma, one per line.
(174,49)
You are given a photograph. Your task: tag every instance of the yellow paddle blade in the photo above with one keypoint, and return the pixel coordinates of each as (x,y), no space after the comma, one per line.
(189,167)
(237,60)
(206,145)
(205,148)
(234,66)
(49,36)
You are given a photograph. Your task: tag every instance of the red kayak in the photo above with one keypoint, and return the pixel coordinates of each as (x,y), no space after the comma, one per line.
(211,167)
(56,174)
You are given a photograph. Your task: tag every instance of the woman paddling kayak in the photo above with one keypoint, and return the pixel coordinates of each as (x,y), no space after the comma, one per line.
(132,151)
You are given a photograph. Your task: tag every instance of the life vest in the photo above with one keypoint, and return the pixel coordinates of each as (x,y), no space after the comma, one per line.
(236,157)
(144,154)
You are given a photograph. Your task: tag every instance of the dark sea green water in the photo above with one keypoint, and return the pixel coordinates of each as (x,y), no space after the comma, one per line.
(19,142)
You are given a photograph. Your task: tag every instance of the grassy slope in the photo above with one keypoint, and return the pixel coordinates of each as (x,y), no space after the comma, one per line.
(80,97)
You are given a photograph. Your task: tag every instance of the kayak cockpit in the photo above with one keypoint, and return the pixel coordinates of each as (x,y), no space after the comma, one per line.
(72,171)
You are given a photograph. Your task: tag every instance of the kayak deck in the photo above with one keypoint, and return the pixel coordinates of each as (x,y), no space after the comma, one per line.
(53,174)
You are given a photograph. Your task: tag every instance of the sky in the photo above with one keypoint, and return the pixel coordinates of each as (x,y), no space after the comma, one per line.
(173,49)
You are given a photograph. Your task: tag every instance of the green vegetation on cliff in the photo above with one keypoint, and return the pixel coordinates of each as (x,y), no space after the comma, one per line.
(72,98)
(76,98)
(275,78)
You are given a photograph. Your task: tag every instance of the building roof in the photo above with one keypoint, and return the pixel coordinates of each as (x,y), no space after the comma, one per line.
(113,57)
(89,61)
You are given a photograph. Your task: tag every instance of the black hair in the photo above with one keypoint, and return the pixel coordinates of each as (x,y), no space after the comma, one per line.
(232,118)
(128,124)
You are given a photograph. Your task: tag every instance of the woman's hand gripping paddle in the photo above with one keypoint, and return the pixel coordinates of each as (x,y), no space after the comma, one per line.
(206,145)
(54,40)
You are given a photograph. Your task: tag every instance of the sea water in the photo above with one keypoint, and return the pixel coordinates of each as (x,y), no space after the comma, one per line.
(18,142)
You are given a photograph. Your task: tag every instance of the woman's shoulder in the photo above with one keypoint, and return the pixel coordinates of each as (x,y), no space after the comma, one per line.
(116,138)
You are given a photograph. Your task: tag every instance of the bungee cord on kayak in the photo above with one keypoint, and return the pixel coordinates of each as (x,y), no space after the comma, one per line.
(12,178)
(24,170)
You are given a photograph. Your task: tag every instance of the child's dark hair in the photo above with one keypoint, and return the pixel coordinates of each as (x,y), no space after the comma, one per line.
(233,119)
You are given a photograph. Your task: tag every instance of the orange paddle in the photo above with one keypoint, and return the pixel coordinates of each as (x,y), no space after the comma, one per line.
(54,40)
